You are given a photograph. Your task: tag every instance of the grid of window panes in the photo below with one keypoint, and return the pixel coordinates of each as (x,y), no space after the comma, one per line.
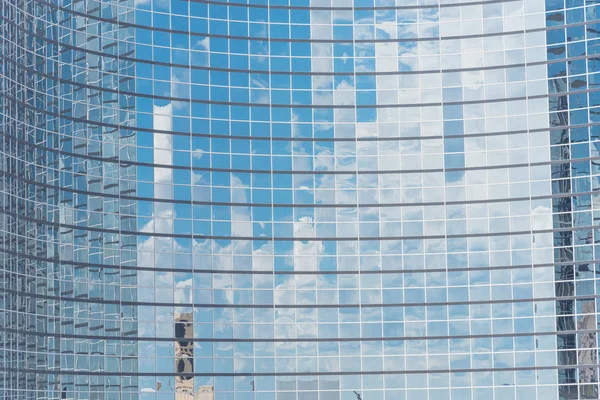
(338,172)
(67,283)
(574,138)
(319,199)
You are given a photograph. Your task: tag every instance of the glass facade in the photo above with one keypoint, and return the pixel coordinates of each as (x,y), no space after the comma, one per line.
(303,200)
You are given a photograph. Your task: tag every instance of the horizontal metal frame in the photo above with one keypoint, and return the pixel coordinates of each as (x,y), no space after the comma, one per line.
(281,374)
(292,340)
(121,302)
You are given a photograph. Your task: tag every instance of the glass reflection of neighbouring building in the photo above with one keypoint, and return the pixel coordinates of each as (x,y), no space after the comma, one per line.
(68,247)
(300,200)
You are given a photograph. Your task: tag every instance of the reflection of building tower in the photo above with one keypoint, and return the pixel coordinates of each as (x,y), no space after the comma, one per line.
(205,393)
(587,353)
(574,348)
(563,239)
(184,356)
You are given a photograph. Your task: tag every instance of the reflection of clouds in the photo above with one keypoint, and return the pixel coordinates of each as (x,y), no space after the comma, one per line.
(180,87)
(386,53)
(203,44)
(241,224)
(324,159)
(163,152)
(305,255)
(157,251)
(183,292)
(344,94)
(541,219)
(198,179)
(258,82)
(158,4)
(262,259)
(198,154)
(291,288)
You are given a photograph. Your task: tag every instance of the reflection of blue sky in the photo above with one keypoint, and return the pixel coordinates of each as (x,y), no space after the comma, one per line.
(411,124)
(377,136)
(343,123)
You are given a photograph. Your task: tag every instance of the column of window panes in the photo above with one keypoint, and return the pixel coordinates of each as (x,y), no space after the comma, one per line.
(566,111)
(521,275)
(109,179)
(355,190)
(336,193)
(429,378)
(377,199)
(517,364)
(590,14)
(488,162)
(297,261)
(498,378)
(272,127)
(154,14)
(252,145)
(28,267)
(411,188)
(575,207)
(53,179)
(460,323)
(513,353)
(319,218)
(528,92)
(591,389)
(7,50)
(64,309)
(402,344)
(40,359)
(478,389)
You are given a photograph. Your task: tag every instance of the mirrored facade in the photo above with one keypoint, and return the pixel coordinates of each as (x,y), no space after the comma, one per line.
(299,200)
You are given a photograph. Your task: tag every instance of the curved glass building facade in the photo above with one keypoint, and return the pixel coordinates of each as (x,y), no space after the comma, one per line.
(303,200)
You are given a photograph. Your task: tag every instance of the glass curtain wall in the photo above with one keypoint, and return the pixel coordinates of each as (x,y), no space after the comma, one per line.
(303,200)
(67,216)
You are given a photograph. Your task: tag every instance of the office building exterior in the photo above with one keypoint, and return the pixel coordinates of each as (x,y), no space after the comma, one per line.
(304,200)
